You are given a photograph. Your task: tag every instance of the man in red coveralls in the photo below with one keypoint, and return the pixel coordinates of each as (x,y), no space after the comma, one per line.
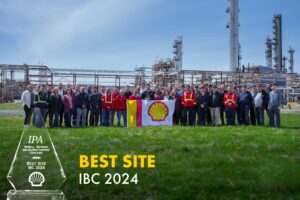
(230,100)
(188,100)
(115,93)
(121,108)
(108,104)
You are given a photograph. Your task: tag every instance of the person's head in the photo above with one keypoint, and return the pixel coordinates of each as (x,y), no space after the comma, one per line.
(55,90)
(202,89)
(95,89)
(143,85)
(68,91)
(107,90)
(89,88)
(138,88)
(239,88)
(38,88)
(174,92)
(121,93)
(166,93)
(42,88)
(127,88)
(268,85)
(214,88)
(50,88)
(188,88)
(29,88)
(229,89)
(82,89)
(222,87)
(148,87)
(210,88)
(244,88)
(274,86)
(60,86)
(157,90)
(182,87)
(103,89)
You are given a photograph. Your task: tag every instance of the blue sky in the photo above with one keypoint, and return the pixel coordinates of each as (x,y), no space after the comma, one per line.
(123,34)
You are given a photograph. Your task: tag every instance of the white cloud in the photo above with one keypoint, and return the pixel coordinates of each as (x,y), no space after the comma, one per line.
(95,18)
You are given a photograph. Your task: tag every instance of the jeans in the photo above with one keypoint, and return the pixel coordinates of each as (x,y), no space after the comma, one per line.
(244,115)
(274,117)
(112,116)
(214,112)
(230,116)
(94,116)
(106,115)
(55,121)
(81,114)
(259,115)
(67,119)
(188,115)
(40,114)
(202,115)
(120,114)
(28,113)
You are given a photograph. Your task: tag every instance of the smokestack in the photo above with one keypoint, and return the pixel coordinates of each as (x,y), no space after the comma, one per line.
(277,41)
(268,52)
(234,43)
(291,60)
(177,51)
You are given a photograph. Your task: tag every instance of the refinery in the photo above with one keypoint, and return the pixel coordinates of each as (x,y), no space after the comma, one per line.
(278,67)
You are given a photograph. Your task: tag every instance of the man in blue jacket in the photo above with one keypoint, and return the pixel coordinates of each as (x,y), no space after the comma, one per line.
(244,101)
(273,106)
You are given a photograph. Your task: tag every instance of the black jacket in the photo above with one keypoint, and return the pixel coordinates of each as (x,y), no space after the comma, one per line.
(203,99)
(148,94)
(215,100)
(55,103)
(81,99)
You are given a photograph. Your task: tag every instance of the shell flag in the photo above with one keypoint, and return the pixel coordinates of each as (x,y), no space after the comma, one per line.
(150,113)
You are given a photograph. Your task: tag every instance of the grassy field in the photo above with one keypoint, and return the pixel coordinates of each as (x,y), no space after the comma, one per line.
(191,163)
(11,106)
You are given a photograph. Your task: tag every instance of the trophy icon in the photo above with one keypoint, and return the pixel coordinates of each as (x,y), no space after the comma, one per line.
(36,172)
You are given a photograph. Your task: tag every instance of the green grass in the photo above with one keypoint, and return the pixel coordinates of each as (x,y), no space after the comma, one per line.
(191,163)
(11,106)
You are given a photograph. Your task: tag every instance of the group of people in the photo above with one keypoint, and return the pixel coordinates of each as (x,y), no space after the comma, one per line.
(194,105)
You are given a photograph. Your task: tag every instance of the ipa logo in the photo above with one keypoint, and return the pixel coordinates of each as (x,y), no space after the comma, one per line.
(35,139)
(36,179)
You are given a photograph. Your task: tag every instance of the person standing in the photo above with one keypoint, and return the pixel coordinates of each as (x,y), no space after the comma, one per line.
(222,108)
(244,101)
(121,108)
(94,100)
(252,106)
(215,102)
(68,107)
(54,108)
(127,92)
(108,104)
(188,100)
(48,111)
(81,102)
(115,93)
(258,107)
(202,106)
(177,116)
(148,94)
(167,95)
(27,100)
(230,100)
(88,93)
(273,106)
(158,95)
(208,114)
(40,106)
(61,94)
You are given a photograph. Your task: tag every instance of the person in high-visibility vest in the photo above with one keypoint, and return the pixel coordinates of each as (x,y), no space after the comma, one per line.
(40,107)
(108,104)
(188,100)
(230,100)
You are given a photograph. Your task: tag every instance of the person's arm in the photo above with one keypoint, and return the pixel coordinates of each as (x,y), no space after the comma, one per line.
(23,98)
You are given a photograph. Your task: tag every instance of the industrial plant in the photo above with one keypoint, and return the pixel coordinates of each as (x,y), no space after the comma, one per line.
(278,67)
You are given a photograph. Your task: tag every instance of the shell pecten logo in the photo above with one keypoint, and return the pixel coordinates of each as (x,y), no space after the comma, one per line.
(158,111)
